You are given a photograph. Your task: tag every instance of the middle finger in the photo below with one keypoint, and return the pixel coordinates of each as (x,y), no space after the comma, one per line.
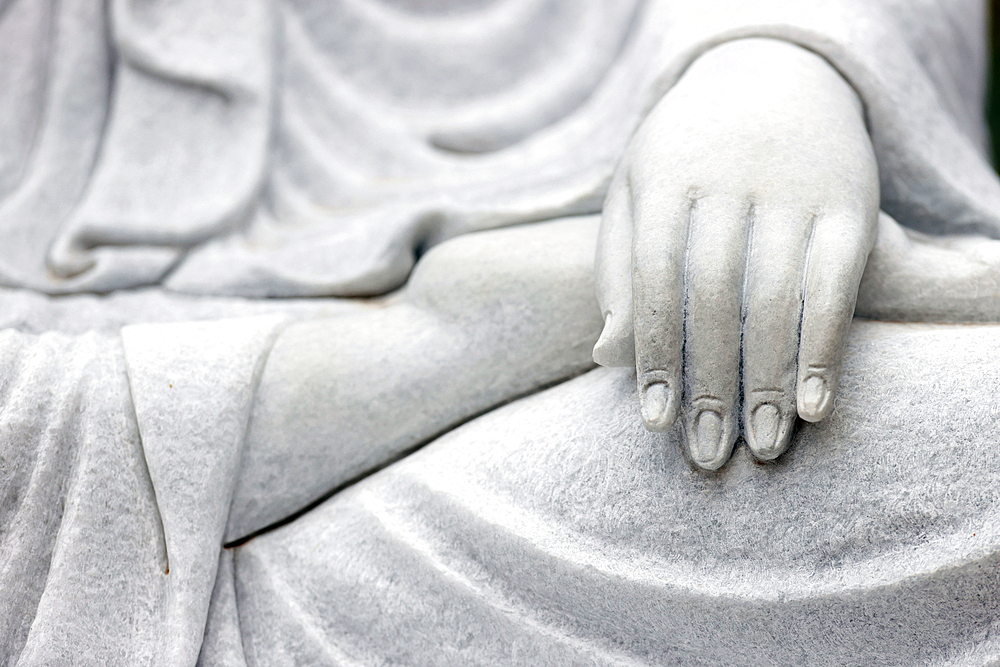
(713,285)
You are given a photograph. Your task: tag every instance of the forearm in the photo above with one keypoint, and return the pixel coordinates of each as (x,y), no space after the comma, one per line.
(911,277)
(499,317)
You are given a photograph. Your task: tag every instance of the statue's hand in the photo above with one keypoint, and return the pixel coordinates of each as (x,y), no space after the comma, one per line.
(734,236)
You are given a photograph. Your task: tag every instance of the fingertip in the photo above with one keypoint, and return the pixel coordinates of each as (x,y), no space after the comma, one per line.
(710,434)
(616,347)
(814,397)
(659,405)
(769,431)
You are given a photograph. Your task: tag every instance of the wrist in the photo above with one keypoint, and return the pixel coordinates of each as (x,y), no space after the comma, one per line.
(780,71)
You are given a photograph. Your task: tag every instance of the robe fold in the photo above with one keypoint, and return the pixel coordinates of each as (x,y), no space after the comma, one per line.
(296,148)
(554,530)
(119,459)
(558,531)
(301,148)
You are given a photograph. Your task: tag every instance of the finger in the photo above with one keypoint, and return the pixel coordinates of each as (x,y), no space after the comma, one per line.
(613,268)
(658,251)
(835,262)
(772,307)
(714,276)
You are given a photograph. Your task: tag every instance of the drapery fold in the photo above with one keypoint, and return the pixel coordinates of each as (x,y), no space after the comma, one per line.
(557,530)
(156,125)
(119,459)
(303,148)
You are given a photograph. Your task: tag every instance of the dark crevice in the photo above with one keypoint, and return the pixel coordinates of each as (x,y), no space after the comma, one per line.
(993,87)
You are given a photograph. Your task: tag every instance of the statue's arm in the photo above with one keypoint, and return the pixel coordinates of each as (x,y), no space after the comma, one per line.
(913,277)
(485,318)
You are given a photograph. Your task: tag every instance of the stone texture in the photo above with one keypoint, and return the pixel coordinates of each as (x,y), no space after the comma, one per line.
(301,148)
(485,318)
(557,530)
(243,148)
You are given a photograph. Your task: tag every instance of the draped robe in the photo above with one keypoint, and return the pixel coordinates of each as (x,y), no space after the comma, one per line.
(301,148)
(249,149)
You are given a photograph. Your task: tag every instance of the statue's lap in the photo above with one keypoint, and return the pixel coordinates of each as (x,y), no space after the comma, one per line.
(558,529)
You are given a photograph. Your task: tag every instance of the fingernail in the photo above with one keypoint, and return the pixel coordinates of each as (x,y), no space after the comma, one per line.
(655,406)
(765,422)
(707,439)
(812,398)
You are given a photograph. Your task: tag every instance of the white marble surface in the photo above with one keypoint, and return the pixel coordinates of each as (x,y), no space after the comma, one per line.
(734,238)
(557,530)
(302,148)
(198,158)
(486,318)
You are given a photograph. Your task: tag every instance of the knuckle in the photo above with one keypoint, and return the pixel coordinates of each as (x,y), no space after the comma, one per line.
(779,395)
(773,300)
(659,373)
(653,342)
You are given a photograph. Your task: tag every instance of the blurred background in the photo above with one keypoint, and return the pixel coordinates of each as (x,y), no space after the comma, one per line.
(993,100)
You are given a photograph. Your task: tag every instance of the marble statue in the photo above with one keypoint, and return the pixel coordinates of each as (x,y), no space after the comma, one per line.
(300,340)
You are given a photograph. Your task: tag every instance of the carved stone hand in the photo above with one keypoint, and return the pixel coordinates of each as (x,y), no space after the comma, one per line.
(735,234)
